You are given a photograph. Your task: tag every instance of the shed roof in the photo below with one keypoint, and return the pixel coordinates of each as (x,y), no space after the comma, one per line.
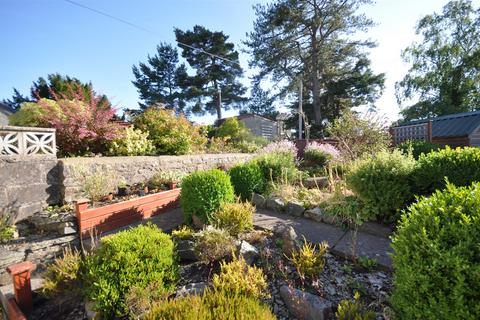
(5,109)
(452,125)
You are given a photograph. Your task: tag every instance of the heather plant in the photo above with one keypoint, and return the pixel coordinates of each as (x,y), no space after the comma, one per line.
(358,136)
(353,310)
(212,305)
(131,142)
(317,156)
(136,257)
(98,183)
(83,123)
(236,218)
(170,133)
(183,233)
(64,274)
(436,256)
(140,299)
(383,183)
(238,278)
(309,260)
(246,179)
(203,192)
(280,147)
(212,244)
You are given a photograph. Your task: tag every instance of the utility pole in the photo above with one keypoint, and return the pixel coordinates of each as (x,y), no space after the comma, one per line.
(300,108)
(219,108)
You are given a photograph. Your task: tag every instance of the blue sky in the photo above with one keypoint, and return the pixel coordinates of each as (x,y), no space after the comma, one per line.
(39,37)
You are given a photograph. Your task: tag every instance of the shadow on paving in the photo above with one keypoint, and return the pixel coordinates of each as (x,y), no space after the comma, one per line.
(340,241)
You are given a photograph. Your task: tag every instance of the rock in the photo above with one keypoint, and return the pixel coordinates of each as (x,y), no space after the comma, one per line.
(197,222)
(295,209)
(316,182)
(314,214)
(304,305)
(192,288)
(275,204)
(249,252)
(89,311)
(185,250)
(290,240)
(258,200)
(65,228)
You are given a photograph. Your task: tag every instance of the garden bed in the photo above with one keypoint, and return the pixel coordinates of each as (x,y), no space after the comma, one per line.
(112,216)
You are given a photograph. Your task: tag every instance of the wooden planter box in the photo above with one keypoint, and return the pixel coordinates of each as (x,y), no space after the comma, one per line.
(113,216)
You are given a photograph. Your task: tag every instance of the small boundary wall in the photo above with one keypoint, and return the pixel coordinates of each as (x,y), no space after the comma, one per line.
(106,218)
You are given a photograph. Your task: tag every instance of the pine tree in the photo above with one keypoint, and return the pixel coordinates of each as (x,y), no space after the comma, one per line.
(213,76)
(260,102)
(159,80)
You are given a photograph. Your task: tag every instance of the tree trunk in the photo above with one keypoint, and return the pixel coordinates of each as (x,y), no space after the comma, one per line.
(315,82)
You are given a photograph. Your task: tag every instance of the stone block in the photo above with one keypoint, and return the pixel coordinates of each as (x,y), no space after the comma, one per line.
(275,204)
(295,209)
(315,214)
(258,200)
(304,305)
(316,182)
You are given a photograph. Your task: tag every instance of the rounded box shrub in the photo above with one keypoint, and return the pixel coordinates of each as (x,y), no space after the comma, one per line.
(203,192)
(382,183)
(246,179)
(460,166)
(138,256)
(436,257)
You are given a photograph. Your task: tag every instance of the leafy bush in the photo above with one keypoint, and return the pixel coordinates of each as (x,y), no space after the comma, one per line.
(246,179)
(97,184)
(238,278)
(383,183)
(358,136)
(7,230)
(277,167)
(239,136)
(212,305)
(171,134)
(203,192)
(418,147)
(64,274)
(459,166)
(82,125)
(212,244)
(308,261)
(131,142)
(236,218)
(353,310)
(136,257)
(436,257)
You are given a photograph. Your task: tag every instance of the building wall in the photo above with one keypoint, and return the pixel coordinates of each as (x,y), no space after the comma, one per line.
(262,127)
(3,119)
(474,138)
(452,141)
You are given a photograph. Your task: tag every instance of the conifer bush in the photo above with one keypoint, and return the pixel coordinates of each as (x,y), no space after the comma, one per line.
(203,192)
(436,257)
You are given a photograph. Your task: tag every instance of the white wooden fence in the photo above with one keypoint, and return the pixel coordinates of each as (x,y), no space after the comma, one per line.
(25,141)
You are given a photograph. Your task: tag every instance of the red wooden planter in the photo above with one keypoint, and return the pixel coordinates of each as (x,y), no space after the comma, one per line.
(113,216)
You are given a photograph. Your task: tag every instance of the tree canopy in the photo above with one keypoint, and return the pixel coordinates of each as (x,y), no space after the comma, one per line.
(313,40)
(445,64)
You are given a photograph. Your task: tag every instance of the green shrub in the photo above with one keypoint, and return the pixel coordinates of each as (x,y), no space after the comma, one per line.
(203,192)
(213,305)
(64,274)
(238,278)
(246,179)
(436,257)
(136,257)
(460,166)
(7,230)
(236,218)
(212,244)
(383,183)
(353,310)
(277,167)
(171,134)
(131,142)
(418,147)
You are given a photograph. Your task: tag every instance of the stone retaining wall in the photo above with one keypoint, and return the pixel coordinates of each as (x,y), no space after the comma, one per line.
(29,183)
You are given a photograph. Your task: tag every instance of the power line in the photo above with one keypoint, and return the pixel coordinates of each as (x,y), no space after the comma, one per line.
(146,30)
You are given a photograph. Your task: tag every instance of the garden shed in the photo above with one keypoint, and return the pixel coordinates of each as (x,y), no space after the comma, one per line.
(5,111)
(455,130)
(260,126)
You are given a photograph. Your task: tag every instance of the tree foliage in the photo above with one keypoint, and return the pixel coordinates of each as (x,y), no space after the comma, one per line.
(260,102)
(211,73)
(312,40)
(445,65)
(159,80)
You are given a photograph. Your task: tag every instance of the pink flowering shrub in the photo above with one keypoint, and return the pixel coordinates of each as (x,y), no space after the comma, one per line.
(283,146)
(317,156)
(83,123)
(328,149)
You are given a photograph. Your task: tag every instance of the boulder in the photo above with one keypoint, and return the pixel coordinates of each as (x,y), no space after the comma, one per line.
(304,305)
(316,182)
(185,250)
(249,252)
(295,209)
(315,214)
(192,288)
(290,240)
(258,200)
(275,204)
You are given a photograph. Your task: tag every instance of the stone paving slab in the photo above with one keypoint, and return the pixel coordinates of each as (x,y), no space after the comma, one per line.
(339,240)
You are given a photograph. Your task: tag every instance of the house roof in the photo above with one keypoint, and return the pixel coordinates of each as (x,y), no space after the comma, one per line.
(5,109)
(452,125)
(243,116)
